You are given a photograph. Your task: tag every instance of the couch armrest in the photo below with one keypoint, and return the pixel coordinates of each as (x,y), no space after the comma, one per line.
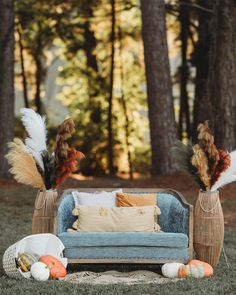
(175,214)
(63,218)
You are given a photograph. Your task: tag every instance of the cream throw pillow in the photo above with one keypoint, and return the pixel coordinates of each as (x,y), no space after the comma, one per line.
(105,199)
(119,219)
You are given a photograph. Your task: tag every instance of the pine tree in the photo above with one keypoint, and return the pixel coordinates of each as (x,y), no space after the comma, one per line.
(6,79)
(160,101)
(222,73)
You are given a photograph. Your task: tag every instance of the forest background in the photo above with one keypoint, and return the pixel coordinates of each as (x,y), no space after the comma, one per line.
(134,75)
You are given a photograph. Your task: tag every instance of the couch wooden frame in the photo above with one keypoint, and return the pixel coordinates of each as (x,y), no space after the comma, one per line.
(176,194)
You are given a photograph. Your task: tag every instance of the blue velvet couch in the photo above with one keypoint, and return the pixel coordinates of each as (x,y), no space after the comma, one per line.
(175,243)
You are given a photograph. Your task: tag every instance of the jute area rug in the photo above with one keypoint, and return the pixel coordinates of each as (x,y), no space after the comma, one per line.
(116,277)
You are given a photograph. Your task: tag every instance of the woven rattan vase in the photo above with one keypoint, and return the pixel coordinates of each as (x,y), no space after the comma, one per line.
(43,217)
(208,227)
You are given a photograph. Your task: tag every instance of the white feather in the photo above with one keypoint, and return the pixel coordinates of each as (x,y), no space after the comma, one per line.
(228,176)
(36,129)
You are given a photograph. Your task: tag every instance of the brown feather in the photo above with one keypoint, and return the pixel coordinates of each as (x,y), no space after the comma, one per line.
(206,142)
(66,158)
(23,166)
(199,160)
(64,132)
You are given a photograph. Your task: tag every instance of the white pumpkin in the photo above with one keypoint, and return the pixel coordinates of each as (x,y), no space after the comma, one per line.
(40,271)
(170,270)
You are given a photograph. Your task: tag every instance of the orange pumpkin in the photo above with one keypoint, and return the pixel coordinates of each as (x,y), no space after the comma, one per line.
(207,267)
(57,269)
(195,271)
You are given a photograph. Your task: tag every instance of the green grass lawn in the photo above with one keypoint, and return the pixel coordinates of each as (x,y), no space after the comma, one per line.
(16,205)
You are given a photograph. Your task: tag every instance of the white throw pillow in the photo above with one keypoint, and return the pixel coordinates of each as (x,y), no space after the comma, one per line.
(103,199)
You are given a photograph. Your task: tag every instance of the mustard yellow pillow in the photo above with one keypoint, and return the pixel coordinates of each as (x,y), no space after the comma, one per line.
(118,219)
(129,200)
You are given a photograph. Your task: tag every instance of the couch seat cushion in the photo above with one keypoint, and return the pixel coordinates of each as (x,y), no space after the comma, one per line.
(132,253)
(150,239)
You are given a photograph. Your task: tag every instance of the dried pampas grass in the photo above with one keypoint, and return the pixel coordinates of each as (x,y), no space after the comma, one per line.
(37,134)
(229,173)
(210,167)
(64,132)
(199,160)
(66,158)
(206,142)
(223,164)
(23,168)
(182,154)
(69,165)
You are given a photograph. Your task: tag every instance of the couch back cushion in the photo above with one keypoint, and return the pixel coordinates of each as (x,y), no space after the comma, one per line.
(118,219)
(174,216)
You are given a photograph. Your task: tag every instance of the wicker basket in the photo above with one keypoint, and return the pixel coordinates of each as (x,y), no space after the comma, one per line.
(9,263)
(43,217)
(42,244)
(208,227)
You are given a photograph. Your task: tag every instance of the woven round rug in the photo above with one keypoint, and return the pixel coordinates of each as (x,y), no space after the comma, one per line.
(116,277)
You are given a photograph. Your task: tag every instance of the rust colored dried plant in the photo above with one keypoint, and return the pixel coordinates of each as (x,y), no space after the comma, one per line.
(222,165)
(68,165)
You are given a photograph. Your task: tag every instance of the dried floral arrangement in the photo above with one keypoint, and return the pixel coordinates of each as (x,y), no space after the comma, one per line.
(210,167)
(32,163)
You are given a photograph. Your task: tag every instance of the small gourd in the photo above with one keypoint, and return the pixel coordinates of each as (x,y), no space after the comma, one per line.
(40,271)
(57,269)
(195,271)
(207,267)
(26,260)
(170,270)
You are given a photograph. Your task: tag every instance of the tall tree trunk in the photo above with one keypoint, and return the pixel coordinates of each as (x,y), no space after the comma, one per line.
(110,99)
(124,105)
(160,101)
(38,82)
(201,62)
(23,75)
(234,98)
(90,43)
(222,73)
(6,80)
(184,105)
(95,81)
(40,71)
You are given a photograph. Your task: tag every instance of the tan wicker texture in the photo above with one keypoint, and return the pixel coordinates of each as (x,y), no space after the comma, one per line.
(208,227)
(43,216)
(9,263)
